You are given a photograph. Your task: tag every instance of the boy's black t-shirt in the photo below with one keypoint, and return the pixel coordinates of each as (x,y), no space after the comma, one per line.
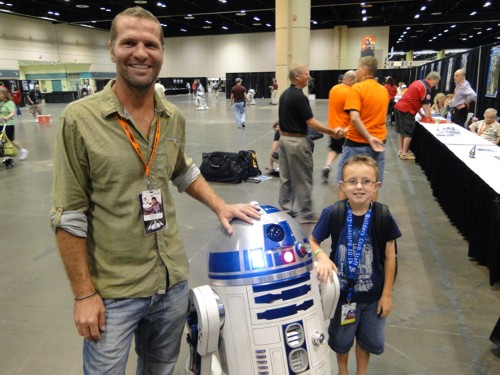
(370,272)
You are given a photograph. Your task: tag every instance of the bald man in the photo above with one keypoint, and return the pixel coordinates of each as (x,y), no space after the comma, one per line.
(462,97)
(338,119)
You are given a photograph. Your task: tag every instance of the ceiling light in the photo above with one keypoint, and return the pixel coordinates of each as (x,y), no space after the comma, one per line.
(417,15)
(268,24)
(256,24)
(225,27)
(489,29)
(241,13)
(161,5)
(473,13)
(363,11)
(487,4)
(453,26)
(314,22)
(256,19)
(209,22)
(423,8)
(140,1)
(223,1)
(184,30)
(81,6)
(408,28)
(365,18)
(445,31)
(207,27)
(189,17)
(436,13)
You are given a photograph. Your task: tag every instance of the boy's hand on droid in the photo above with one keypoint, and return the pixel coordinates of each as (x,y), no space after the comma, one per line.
(325,268)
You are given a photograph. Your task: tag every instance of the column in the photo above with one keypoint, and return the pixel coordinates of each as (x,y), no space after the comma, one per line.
(292,36)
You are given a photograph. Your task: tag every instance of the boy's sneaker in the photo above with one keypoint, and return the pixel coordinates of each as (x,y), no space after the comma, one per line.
(23,154)
(292,213)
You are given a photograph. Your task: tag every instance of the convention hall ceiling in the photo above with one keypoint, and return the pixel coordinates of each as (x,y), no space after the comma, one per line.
(414,25)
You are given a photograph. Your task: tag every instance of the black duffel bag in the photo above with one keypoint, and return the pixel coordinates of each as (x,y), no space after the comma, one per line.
(221,166)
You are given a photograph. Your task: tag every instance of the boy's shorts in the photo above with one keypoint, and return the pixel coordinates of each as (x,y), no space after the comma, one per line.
(368,329)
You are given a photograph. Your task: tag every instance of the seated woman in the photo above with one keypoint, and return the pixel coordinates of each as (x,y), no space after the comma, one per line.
(488,128)
(439,106)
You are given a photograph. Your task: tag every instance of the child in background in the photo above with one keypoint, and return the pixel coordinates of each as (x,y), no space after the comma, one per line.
(366,275)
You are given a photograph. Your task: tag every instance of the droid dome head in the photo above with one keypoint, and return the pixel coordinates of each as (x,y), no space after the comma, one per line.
(272,248)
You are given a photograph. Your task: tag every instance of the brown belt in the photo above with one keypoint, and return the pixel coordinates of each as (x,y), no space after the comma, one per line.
(286,134)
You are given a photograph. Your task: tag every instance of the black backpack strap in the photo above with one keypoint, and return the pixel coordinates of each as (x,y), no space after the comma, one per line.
(381,222)
(337,218)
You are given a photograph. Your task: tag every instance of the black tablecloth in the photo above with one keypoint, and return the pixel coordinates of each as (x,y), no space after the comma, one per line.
(471,204)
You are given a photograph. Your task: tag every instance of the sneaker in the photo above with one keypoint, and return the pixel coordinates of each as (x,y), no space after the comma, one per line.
(243,124)
(325,172)
(23,154)
(399,153)
(407,157)
(292,213)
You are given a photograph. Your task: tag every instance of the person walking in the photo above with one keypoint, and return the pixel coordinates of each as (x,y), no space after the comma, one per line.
(7,113)
(35,99)
(112,150)
(239,101)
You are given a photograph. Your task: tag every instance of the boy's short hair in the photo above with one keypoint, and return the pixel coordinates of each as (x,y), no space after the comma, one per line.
(363,160)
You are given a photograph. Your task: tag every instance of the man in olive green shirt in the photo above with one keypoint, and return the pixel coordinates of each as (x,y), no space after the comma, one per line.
(114,152)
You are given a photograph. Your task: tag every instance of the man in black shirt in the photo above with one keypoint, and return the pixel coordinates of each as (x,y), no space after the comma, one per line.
(296,161)
(35,98)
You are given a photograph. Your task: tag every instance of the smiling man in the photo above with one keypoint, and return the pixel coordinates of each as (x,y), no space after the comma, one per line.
(114,150)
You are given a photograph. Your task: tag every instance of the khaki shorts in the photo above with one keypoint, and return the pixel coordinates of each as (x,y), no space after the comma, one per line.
(36,108)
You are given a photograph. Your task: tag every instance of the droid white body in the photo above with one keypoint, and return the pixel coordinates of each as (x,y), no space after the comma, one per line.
(263,312)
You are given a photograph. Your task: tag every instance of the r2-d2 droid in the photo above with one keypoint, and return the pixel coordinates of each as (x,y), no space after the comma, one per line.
(251,97)
(263,313)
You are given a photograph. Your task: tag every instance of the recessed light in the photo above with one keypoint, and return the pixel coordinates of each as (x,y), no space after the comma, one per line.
(189,17)
(436,13)
(140,1)
(207,27)
(82,6)
(242,13)
(256,24)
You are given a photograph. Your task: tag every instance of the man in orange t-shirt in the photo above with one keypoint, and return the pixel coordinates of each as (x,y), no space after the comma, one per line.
(338,119)
(366,104)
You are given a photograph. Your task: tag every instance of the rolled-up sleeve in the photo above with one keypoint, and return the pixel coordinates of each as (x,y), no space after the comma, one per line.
(70,180)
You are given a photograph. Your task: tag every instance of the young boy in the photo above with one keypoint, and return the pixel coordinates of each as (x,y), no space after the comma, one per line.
(366,279)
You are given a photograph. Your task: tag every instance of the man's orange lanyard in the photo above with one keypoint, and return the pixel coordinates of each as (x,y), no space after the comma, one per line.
(133,141)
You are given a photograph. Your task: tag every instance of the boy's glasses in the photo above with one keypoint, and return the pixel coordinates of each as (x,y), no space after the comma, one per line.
(364,182)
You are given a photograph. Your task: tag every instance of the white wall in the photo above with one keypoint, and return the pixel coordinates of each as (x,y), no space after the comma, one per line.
(203,56)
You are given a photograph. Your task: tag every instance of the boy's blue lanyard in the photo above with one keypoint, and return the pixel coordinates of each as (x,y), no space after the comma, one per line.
(353,257)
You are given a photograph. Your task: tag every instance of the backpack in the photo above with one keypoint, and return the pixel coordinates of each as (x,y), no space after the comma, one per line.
(380,219)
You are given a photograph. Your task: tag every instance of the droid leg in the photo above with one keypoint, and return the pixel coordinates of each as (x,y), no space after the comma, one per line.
(330,293)
(205,319)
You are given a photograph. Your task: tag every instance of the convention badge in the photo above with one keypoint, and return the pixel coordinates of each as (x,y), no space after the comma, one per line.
(348,314)
(152,212)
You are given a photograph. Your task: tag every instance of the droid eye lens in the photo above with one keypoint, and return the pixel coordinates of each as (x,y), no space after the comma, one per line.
(275,233)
